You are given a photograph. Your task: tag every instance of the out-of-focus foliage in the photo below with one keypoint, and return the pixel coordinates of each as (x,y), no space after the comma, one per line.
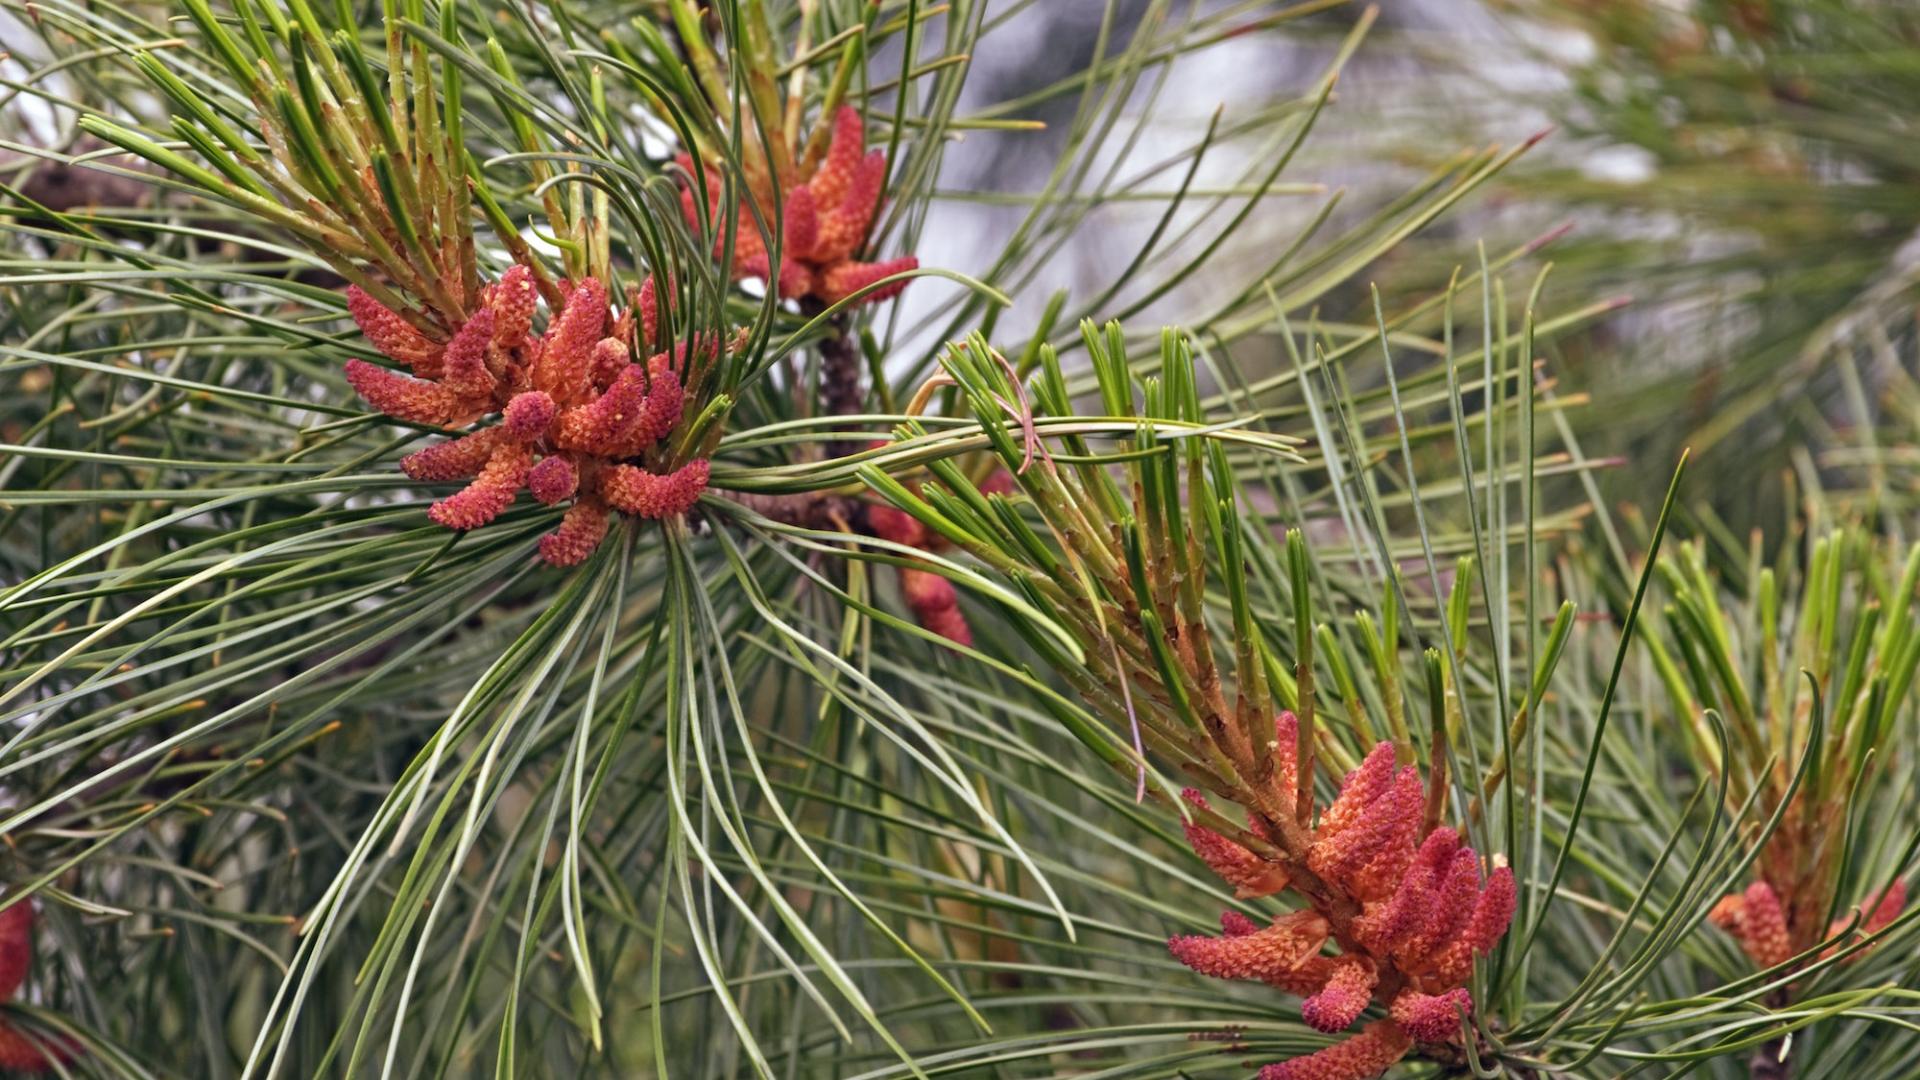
(302,783)
(1745,170)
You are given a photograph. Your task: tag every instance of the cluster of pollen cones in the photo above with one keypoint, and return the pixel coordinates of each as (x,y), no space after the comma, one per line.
(1406,906)
(1760,923)
(574,410)
(823,223)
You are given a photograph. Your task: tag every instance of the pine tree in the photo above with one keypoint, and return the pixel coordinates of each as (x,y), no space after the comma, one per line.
(517,554)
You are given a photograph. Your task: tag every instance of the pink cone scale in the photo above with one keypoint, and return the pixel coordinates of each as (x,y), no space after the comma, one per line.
(1267,952)
(394,336)
(21,1053)
(890,523)
(1425,912)
(553,481)
(454,459)
(1431,1018)
(1249,874)
(580,532)
(935,604)
(1757,921)
(1362,1057)
(1236,924)
(932,599)
(579,419)
(1771,928)
(643,494)
(1342,998)
(823,223)
(1887,908)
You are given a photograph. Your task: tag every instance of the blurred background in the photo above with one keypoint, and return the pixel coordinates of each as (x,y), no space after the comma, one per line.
(1742,171)
(1720,194)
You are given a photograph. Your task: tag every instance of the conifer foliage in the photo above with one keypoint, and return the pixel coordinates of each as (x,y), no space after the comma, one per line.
(571,539)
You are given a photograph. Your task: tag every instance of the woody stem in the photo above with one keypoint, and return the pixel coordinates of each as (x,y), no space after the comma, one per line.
(1767,1064)
(841,389)
(1770,1060)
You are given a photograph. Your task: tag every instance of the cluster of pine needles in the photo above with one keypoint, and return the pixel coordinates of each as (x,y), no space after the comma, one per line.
(576,538)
